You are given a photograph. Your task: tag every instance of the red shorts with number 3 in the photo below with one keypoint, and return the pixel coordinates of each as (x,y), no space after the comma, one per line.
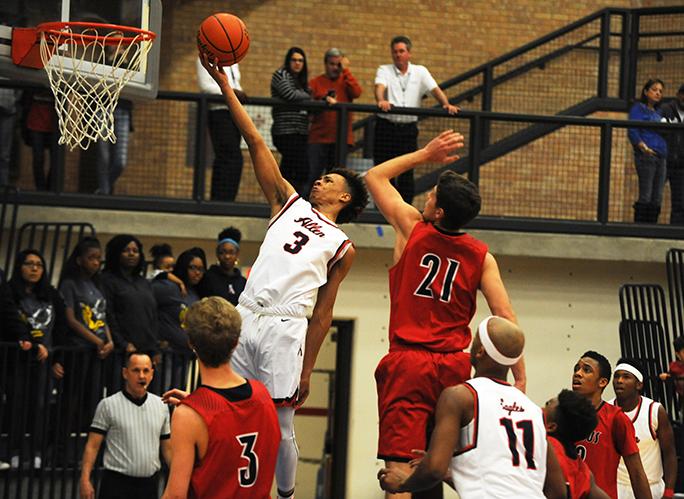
(409,381)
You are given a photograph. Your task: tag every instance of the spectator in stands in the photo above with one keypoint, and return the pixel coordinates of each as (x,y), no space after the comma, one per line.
(676,371)
(290,128)
(653,430)
(134,319)
(8,114)
(225,137)
(135,426)
(402,84)
(225,279)
(40,131)
(162,259)
(650,153)
(673,112)
(337,84)
(112,157)
(172,305)
(32,314)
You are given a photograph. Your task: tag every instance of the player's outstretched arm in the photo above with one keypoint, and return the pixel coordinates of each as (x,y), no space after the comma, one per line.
(637,476)
(275,187)
(321,319)
(185,427)
(401,215)
(554,482)
(667,449)
(454,410)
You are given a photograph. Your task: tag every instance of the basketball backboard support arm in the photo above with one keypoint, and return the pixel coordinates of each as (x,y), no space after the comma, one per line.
(142,87)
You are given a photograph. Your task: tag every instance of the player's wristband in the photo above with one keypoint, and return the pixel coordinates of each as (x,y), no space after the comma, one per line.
(668,493)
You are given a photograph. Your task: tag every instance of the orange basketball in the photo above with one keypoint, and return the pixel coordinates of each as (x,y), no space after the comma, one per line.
(225,37)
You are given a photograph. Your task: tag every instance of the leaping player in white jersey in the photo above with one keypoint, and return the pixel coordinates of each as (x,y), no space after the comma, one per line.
(301,263)
(488,434)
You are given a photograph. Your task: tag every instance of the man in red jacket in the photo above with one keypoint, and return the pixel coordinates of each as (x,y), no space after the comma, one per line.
(337,84)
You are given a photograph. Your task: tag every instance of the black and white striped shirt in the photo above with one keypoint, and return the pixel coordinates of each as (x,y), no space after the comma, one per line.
(288,121)
(133,429)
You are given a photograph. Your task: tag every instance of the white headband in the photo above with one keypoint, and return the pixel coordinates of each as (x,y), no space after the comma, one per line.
(489,347)
(632,370)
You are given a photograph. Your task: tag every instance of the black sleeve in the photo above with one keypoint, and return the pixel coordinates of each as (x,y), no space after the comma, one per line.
(13,328)
(108,290)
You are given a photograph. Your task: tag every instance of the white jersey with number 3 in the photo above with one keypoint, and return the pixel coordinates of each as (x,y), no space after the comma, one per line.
(503,449)
(299,248)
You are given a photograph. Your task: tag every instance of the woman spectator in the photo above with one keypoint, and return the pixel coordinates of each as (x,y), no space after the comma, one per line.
(32,314)
(171,307)
(86,316)
(225,279)
(650,153)
(134,310)
(290,129)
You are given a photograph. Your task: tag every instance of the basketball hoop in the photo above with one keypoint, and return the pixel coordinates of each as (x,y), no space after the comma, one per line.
(87,64)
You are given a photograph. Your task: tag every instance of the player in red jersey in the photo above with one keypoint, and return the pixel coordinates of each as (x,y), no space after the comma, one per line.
(614,433)
(571,417)
(225,434)
(433,288)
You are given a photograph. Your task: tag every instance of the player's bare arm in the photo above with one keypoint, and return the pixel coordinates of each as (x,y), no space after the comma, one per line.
(499,303)
(596,492)
(92,447)
(667,449)
(401,215)
(186,435)
(637,476)
(276,189)
(454,410)
(321,319)
(554,482)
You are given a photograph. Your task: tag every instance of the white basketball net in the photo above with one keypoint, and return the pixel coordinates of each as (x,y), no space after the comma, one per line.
(87,71)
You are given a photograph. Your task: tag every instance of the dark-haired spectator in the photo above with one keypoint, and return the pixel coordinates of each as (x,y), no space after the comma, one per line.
(591,375)
(337,84)
(134,320)
(571,417)
(162,259)
(32,314)
(676,371)
(112,157)
(650,153)
(86,314)
(225,279)
(673,112)
(225,136)
(172,305)
(40,131)
(653,430)
(402,84)
(290,128)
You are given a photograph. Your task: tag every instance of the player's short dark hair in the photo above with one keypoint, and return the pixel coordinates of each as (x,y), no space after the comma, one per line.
(575,418)
(359,195)
(130,355)
(678,343)
(635,363)
(604,366)
(401,39)
(459,198)
(213,327)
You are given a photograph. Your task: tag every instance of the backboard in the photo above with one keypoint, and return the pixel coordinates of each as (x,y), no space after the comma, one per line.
(143,14)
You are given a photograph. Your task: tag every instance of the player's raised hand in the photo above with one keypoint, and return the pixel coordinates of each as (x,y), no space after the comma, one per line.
(216,71)
(391,479)
(174,396)
(441,148)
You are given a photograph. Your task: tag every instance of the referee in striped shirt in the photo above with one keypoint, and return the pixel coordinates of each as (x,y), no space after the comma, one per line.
(134,424)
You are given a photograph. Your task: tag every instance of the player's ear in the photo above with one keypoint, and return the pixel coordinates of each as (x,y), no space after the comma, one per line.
(603,382)
(345,197)
(439,214)
(551,427)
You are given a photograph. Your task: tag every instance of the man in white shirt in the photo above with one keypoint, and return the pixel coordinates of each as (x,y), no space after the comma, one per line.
(225,137)
(402,84)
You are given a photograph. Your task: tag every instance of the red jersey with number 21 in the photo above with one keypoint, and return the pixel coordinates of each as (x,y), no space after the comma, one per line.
(433,289)
(243,445)
(612,438)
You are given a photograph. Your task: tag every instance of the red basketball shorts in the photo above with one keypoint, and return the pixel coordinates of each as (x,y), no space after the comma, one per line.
(409,383)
